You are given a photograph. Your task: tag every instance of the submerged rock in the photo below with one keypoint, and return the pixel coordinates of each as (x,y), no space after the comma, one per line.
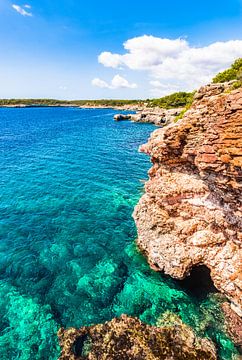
(191,211)
(128,338)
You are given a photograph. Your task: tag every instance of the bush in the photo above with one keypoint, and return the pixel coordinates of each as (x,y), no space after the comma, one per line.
(178,99)
(233,73)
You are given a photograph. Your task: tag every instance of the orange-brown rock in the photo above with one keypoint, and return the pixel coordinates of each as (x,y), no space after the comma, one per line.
(129,339)
(191,211)
(233,324)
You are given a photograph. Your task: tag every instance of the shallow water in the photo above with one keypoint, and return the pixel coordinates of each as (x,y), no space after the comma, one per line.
(69,181)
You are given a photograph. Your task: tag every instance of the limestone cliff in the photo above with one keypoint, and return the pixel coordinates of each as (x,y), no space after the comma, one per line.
(128,338)
(191,211)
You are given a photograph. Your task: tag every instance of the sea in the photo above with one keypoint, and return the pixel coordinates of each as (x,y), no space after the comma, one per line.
(70,179)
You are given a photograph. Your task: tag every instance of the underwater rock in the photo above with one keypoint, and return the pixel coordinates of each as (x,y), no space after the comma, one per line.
(191,211)
(128,338)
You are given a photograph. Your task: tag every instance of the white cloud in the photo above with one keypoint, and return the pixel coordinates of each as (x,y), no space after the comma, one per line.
(174,62)
(110,60)
(100,83)
(160,89)
(116,83)
(120,82)
(21,10)
(143,52)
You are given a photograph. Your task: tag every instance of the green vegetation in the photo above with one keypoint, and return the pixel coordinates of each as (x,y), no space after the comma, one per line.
(105,102)
(178,99)
(54,102)
(180,116)
(233,73)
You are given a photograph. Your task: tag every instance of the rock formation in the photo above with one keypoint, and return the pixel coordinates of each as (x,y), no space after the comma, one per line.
(128,338)
(121,117)
(155,116)
(191,211)
(233,323)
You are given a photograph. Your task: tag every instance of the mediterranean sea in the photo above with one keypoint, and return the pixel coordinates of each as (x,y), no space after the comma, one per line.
(70,179)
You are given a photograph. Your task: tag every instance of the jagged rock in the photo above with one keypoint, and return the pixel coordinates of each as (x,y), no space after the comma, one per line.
(191,211)
(128,338)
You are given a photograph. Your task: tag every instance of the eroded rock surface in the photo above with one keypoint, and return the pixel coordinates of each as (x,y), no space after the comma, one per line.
(233,323)
(128,338)
(156,116)
(191,211)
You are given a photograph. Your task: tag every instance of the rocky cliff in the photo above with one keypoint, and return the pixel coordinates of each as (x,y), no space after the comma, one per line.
(128,338)
(191,211)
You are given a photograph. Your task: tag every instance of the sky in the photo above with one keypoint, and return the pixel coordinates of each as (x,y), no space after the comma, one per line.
(73,49)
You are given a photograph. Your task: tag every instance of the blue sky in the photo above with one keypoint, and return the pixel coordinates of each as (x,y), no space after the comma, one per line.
(75,50)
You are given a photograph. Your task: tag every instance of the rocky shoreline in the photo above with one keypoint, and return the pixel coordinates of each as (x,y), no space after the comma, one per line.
(190,215)
(191,212)
(156,116)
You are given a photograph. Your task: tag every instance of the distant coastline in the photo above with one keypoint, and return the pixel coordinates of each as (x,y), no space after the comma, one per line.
(175,100)
(84,104)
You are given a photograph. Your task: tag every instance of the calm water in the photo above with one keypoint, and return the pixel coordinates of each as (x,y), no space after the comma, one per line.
(69,181)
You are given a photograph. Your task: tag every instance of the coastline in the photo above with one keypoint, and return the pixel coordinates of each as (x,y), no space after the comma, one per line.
(87,106)
(190,213)
(172,183)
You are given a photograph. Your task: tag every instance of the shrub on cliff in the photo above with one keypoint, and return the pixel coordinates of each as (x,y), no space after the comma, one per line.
(233,73)
(175,100)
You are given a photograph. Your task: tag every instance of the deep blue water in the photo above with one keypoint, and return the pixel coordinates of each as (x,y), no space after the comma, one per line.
(70,179)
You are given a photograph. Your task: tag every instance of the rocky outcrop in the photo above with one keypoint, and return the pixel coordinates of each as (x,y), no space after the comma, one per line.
(121,117)
(191,211)
(127,338)
(156,116)
(233,323)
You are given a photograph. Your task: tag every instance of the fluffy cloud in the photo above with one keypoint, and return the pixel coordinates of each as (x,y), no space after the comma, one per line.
(144,52)
(159,89)
(174,62)
(116,83)
(21,10)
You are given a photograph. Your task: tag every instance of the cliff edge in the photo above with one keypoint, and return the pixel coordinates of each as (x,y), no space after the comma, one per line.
(191,211)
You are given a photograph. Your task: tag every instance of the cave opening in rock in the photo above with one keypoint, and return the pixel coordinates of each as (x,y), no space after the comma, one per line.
(199,283)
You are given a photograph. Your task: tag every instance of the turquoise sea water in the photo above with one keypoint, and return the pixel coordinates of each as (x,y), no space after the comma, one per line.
(70,179)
